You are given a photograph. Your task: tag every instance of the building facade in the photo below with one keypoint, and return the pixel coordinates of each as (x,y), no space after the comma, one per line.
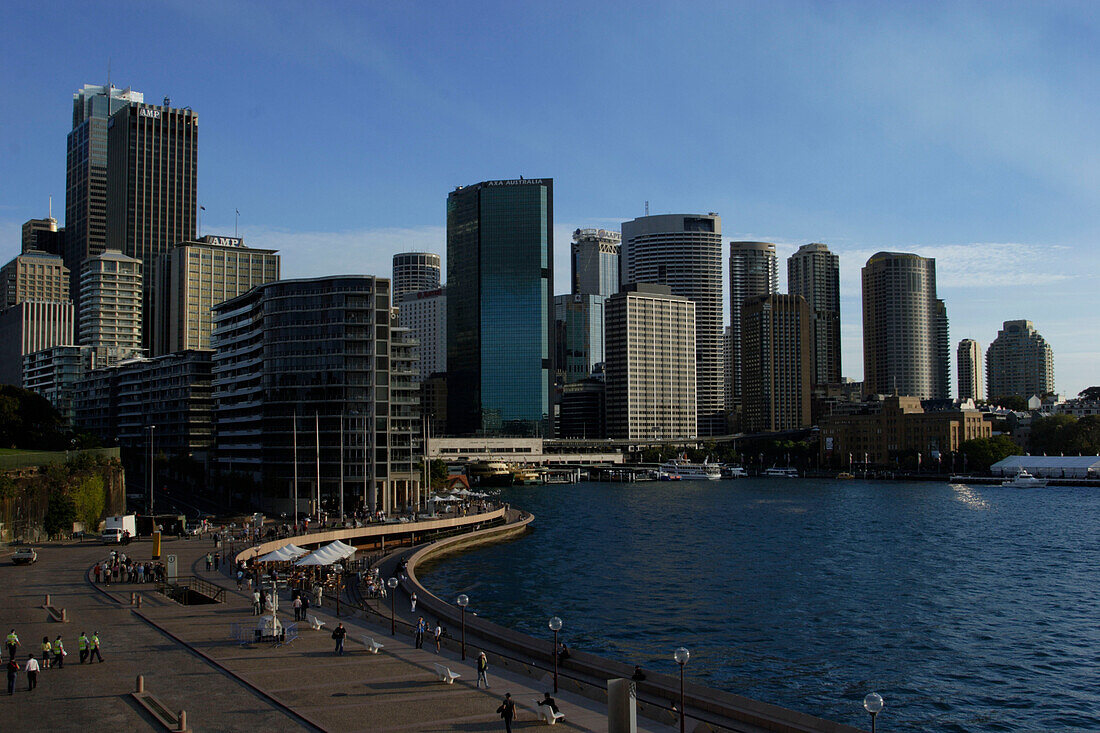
(1019,362)
(307,389)
(968,360)
(500,287)
(424,314)
(30,326)
(34,275)
(152,169)
(905,336)
(579,324)
(193,277)
(651,364)
(54,373)
(776,340)
(583,409)
(415,272)
(814,273)
(112,304)
(594,262)
(684,252)
(754,271)
(42,235)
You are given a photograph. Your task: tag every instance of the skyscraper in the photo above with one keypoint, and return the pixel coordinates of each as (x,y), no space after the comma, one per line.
(86,175)
(33,275)
(594,262)
(42,235)
(754,271)
(579,320)
(1019,362)
(651,364)
(969,364)
(152,161)
(414,272)
(500,269)
(776,339)
(814,273)
(905,337)
(424,314)
(684,252)
(111,310)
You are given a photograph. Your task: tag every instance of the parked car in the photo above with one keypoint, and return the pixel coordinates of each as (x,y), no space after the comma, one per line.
(24,556)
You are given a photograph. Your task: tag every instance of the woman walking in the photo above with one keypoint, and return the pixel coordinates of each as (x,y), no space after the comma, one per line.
(482,671)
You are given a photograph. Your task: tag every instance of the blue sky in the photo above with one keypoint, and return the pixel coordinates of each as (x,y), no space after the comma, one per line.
(963,131)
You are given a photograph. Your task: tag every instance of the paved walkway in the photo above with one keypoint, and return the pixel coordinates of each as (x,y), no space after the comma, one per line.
(191,663)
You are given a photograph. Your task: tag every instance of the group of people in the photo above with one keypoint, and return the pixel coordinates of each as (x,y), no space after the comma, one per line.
(52,654)
(118,568)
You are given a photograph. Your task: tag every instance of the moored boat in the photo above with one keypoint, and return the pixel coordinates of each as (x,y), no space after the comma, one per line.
(704,471)
(490,473)
(787,472)
(1024,480)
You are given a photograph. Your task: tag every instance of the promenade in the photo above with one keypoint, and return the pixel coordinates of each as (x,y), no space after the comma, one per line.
(190,663)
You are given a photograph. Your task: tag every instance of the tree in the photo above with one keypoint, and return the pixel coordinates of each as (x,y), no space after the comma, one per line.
(1010,402)
(60,514)
(1053,435)
(437,473)
(1090,393)
(981,453)
(1086,436)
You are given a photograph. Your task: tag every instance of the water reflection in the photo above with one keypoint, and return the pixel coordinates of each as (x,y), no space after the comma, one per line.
(969,496)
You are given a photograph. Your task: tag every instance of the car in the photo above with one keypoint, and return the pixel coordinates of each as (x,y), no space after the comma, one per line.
(24,556)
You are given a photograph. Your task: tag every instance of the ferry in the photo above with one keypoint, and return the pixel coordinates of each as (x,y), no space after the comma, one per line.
(526,477)
(690,471)
(490,473)
(782,472)
(1024,480)
(734,472)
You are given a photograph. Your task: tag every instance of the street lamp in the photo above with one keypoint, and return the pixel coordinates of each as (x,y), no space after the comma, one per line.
(681,656)
(392,585)
(151,428)
(463,600)
(555,626)
(873,704)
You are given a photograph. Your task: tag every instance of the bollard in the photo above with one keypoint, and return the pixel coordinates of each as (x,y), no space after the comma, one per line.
(139,601)
(140,683)
(132,597)
(182,720)
(64,618)
(47,600)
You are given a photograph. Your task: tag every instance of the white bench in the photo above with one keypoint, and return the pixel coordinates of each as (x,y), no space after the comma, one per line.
(545,712)
(446,675)
(372,646)
(315,622)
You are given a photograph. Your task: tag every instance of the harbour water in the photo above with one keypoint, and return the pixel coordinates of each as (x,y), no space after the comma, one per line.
(966,608)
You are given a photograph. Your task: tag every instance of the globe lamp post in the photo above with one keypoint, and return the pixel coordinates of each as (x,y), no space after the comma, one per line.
(555,626)
(463,600)
(682,656)
(392,585)
(873,704)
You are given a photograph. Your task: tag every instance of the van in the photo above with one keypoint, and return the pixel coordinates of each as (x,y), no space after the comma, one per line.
(112,536)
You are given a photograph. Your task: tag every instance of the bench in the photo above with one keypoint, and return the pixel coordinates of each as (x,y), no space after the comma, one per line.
(372,646)
(446,675)
(545,712)
(315,622)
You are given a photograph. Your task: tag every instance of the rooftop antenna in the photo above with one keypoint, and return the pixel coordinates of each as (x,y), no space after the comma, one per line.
(647,207)
(51,206)
(108,77)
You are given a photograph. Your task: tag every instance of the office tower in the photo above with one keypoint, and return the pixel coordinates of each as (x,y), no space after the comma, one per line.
(194,277)
(583,409)
(111,304)
(814,273)
(29,326)
(1019,362)
(684,252)
(86,175)
(151,178)
(651,364)
(406,450)
(313,357)
(424,314)
(905,347)
(594,262)
(414,272)
(777,359)
(54,373)
(754,270)
(969,361)
(579,324)
(42,235)
(500,289)
(34,275)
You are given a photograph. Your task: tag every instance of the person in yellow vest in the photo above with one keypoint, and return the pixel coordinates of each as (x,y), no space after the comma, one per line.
(82,645)
(46,649)
(59,652)
(12,641)
(95,647)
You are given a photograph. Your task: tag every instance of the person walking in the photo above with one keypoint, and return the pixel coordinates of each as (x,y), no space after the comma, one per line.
(82,646)
(46,649)
(421,627)
(438,635)
(482,670)
(32,672)
(412,602)
(13,669)
(59,652)
(95,648)
(209,561)
(240,579)
(12,641)
(507,711)
(297,608)
(338,634)
(255,603)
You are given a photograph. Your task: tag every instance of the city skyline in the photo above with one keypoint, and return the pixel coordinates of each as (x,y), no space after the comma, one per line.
(983,168)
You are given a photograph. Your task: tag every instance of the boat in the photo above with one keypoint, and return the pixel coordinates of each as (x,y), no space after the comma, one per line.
(704,471)
(526,477)
(844,475)
(490,473)
(667,476)
(782,472)
(1024,480)
(734,472)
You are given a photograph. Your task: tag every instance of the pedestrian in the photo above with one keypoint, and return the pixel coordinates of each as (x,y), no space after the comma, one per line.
(32,672)
(82,646)
(217,560)
(320,594)
(482,670)
(95,648)
(209,561)
(46,649)
(421,627)
(438,636)
(305,607)
(412,602)
(59,652)
(338,634)
(240,579)
(12,642)
(255,603)
(507,711)
(298,608)
(13,669)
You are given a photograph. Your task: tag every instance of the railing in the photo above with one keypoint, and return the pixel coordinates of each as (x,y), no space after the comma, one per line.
(173,588)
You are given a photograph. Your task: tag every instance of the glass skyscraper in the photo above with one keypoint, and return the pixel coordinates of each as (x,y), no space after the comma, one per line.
(500,256)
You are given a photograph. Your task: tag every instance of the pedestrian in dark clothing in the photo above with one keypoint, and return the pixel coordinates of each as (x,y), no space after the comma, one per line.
(13,669)
(507,711)
(338,634)
(95,648)
(639,675)
(421,627)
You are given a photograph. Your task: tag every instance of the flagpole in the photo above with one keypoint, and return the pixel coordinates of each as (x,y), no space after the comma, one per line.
(295,433)
(317,438)
(341,468)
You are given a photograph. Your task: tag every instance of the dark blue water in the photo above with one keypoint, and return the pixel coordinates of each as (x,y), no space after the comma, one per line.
(966,608)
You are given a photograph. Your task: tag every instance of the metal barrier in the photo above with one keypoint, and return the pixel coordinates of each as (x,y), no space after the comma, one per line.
(178,589)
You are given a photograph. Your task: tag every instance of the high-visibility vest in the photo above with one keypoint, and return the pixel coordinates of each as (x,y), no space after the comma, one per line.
(58,647)
(82,643)
(13,639)
(95,641)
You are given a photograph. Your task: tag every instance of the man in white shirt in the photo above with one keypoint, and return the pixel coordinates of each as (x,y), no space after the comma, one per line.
(32,673)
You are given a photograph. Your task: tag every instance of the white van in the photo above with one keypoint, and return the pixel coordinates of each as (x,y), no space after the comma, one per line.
(112,536)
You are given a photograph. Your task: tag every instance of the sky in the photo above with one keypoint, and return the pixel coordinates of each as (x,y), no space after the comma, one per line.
(961,131)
